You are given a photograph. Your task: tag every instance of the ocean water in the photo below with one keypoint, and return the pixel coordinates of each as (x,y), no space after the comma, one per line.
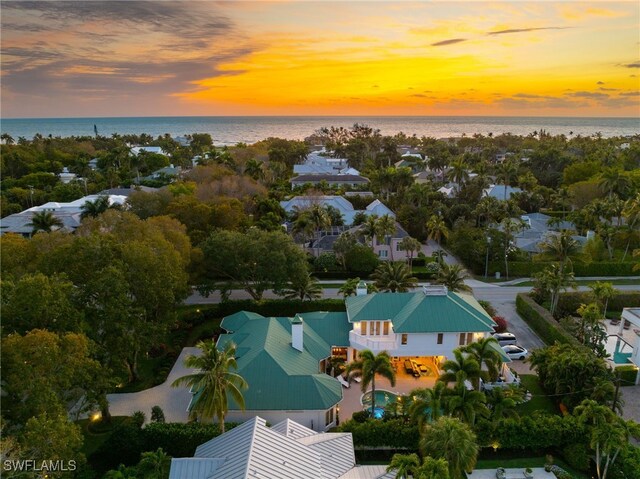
(249,129)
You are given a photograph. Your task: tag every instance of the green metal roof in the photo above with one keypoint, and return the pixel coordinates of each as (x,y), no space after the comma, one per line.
(421,313)
(279,376)
(498,349)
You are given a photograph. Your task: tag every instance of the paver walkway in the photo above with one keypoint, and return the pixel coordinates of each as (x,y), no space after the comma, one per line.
(173,401)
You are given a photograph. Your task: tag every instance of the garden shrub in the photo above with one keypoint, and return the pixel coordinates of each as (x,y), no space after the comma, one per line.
(491,311)
(568,303)
(541,321)
(529,432)
(361,259)
(157,414)
(529,268)
(178,439)
(326,262)
(501,324)
(627,374)
(577,456)
(266,307)
(394,433)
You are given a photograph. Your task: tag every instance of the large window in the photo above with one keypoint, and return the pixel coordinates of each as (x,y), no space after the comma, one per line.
(328,417)
(383,253)
(465,338)
(386,328)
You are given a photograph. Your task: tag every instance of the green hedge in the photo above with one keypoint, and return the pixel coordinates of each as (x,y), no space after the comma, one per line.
(128,441)
(627,374)
(529,268)
(568,303)
(541,321)
(196,314)
(394,433)
(529,432)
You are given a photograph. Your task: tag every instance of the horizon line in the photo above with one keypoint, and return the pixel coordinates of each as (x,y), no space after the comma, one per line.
(318,116)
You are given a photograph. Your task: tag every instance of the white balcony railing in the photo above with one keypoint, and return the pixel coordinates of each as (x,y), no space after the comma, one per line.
(374,343)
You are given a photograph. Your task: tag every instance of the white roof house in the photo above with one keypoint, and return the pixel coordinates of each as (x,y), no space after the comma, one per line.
(68,213)
(135,150)
(286,450)
(343,205)
(501,192)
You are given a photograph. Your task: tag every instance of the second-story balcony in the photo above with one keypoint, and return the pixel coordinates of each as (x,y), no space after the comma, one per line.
(374,343)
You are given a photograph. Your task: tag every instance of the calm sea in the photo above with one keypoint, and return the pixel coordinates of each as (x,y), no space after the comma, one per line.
(249,129)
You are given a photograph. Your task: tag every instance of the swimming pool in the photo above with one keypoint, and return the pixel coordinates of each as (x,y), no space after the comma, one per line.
(383,398)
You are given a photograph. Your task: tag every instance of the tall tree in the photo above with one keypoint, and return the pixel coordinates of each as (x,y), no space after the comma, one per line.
(428,403)
(453,277)
(450,439)
(45,221)
(394,276)
(371,229)
(602,292)
(95,208)
(386,229)
(483,350)
(404,465)
(467,404)
(367,366)
(507,172)
(560,248)
(305,287)
(410,246)
(437,228)
(463,363)
(213,381)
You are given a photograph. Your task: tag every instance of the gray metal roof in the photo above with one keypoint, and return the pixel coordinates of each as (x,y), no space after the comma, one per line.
(330,179)
(253,450)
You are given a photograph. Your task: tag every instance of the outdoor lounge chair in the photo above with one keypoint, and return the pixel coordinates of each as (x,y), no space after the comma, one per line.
(343,381)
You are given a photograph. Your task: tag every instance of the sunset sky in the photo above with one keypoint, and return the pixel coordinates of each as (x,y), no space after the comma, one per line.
(167,58)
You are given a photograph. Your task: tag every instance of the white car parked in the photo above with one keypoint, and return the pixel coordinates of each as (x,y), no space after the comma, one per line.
(515,352)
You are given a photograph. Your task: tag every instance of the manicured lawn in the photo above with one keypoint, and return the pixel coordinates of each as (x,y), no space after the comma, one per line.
(539,402)
(578,281)
(95,434)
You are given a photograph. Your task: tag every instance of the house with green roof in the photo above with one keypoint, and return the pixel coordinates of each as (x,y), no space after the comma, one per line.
(284,361)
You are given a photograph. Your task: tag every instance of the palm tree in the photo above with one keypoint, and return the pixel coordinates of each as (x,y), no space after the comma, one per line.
(427,403)
(349,287)
(404,465)
(95,208)
(501,404)
(154,464)
(307,287)
(411,246)
(563,198)
(462,363)
(437,228)
(483,351)
(367,366)
(394,276)
(631,213)
(450,439)
(458,173)
(560,248)
(386,228)
(433,469)
(453,276)
(45,221)
(371,228)
(508,173)
(467,404)
(319,220)
(213,381)
(602,292)
(439,256)
(253,168)
(612,180)
(555,280)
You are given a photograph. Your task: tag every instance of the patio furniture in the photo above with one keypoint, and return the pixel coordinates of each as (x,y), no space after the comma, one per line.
(342,381)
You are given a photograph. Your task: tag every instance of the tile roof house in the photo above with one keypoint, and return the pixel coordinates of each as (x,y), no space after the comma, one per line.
(286,450)
(284,361)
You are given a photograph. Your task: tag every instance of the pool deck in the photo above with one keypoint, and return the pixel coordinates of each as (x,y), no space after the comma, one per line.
(404,384)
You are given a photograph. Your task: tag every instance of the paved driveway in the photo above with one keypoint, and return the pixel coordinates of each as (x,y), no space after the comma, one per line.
(173,401)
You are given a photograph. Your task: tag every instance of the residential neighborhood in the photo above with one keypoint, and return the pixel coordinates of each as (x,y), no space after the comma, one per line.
(203,319)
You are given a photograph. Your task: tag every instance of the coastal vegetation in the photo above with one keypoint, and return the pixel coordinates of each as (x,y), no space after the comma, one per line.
(97,310)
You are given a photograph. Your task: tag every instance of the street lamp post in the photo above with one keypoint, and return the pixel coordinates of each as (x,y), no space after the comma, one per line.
(486,261)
